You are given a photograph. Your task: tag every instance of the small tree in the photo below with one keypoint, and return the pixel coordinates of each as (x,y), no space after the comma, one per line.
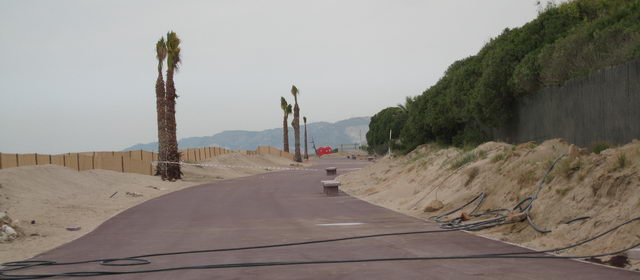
(286,109)
(161,54)
(173,61)
(306,150)
(296,123)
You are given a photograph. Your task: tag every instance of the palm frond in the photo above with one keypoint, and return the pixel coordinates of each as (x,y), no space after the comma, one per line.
(173,50)
(161,50)
(294,90)
(304,119)
(283,104)
(289,109)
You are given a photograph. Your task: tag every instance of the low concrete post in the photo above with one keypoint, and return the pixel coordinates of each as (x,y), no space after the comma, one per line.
(331,170)
(331,187)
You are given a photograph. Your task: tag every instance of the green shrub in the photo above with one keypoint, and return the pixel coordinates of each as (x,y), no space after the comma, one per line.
(498,157)
(477,94)
(416,155)
(563,191)
(389,119)
(463,159)
(567,168)
(527,177)
(621,162)
(549,178)
(599,147)
(482,154)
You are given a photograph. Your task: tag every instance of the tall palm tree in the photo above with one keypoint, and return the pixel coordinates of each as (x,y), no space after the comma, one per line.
(173,61)
(161,54)
(296,123)
(306,150)
(286,109)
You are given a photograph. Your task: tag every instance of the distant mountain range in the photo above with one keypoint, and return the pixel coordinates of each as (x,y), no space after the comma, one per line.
(348,131)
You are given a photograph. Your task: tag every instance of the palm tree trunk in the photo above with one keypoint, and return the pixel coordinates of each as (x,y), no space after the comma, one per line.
(285,133)
(306,150)
(161,168)
(171,147)
(296,130)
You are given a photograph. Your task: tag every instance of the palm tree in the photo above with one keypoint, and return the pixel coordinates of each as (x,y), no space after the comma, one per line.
(171,147)
(306,150)
(296,123)
(286,109)
(161,54)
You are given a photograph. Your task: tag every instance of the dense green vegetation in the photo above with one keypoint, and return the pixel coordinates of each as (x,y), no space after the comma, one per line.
(476,95)
(390,119)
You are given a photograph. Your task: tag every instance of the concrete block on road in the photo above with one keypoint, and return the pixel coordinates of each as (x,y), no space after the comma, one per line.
(331,187)
(331,170)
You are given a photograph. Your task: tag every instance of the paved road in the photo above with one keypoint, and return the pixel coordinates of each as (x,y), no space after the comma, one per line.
(287,207)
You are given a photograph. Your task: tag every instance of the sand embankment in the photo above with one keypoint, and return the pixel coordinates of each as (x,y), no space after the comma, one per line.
(604,186)
(55,197)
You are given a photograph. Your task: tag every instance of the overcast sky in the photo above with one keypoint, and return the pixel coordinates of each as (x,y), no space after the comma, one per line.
(80,75)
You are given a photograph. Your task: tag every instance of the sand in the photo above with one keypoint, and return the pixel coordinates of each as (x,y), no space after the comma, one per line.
(581,184)
(55,198)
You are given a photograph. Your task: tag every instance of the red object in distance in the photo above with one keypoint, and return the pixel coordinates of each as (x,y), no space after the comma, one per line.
(324,151)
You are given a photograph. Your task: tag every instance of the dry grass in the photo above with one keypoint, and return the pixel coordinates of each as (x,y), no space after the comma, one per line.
(466,158)
(498,157)
(580,184)
(621,163)
(563,191)
(568,167)
(527,177)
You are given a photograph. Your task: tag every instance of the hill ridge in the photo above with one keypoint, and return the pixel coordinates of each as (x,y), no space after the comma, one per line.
(323,133)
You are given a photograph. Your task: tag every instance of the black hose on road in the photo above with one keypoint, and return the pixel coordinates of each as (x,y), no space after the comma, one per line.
(138,260)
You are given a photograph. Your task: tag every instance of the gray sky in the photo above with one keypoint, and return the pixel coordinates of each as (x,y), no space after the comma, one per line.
(80,75)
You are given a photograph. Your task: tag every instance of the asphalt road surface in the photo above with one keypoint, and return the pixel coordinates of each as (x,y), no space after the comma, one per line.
(289,206)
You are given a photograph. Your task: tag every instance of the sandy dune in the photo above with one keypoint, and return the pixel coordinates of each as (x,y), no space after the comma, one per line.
(581,184)
(55,197)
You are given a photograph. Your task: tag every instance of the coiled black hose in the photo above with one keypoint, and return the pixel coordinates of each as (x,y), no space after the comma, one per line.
(523,206)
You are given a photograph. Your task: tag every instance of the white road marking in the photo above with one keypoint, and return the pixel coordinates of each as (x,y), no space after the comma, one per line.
(341,224)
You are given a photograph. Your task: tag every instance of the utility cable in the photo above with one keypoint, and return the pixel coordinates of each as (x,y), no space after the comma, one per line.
(15,266)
